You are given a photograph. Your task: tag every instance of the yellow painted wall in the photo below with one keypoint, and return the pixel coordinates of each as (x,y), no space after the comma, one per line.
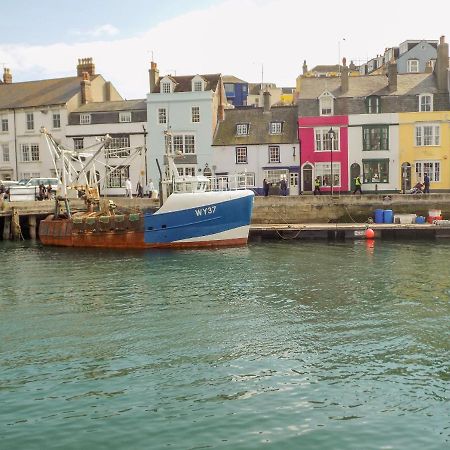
(409,152)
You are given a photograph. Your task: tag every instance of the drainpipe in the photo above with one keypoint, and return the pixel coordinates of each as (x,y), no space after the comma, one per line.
(15,145)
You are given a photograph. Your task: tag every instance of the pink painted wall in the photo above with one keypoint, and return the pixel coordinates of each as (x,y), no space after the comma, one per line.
(306,135)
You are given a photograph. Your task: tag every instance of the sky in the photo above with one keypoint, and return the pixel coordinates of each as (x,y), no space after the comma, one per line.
(255,40)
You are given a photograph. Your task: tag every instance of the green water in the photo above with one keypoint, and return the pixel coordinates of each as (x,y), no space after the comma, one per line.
(278,345)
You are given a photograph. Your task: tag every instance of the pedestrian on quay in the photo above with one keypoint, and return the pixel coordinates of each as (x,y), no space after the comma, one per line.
(128,188)
(426,184)
(150,188)
(139,190)
(283,186)
(265,187)
(357,185)
(317,186)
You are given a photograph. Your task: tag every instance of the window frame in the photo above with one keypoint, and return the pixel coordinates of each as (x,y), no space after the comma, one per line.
(118,147)
(372,128)
(322,170)
(56,120)
(274,154)
(242,129)
(422,104)
(325,140)
(4,125)
(166,87)
(420,135)
(410,65)
(197,86)
(381,177)
(76,142)
(162,116)
(195,114)
(117,173)
(241,155)
(29,153)
(124,116)
(29,121)
(434,175)
(373,108)
(326,97)
(6,156)
(276,127)
(85,119)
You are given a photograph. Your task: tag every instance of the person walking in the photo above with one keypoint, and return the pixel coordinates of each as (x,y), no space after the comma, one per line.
(139,190)
(317,186)
(128,188)
(150,188)
(283,186)
(357,185)
(265,187)
(426,184)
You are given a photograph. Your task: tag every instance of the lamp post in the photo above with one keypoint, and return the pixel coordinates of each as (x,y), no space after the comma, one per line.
(332,135)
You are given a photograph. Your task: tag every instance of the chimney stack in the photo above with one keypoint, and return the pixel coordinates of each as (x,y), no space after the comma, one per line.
(266,96)
(344,76)
(305,67)
(85,65)
(86,93)
(7,77)
(392,77)
(153,75)
(442,65)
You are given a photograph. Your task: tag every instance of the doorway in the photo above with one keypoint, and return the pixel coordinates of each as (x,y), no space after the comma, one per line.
(293,183)
(406,177)
(307,178)
(355,171)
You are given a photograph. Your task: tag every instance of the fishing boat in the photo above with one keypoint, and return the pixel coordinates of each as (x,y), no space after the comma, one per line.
(195,211)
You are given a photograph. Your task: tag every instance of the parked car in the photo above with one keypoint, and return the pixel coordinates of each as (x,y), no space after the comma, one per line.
(28,189)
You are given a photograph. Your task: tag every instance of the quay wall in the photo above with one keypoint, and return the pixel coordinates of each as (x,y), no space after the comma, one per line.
(343,209)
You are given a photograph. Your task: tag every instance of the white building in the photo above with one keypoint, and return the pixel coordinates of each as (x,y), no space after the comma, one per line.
(125,122)
(259,143)
(373,144)
(182,113)
(25,107)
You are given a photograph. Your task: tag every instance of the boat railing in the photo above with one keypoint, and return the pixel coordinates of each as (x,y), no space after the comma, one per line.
(209,183)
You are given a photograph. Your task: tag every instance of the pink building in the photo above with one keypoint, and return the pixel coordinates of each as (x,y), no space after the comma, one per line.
(316,158)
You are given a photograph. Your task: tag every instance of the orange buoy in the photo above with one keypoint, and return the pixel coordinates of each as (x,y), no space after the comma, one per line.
(369,233)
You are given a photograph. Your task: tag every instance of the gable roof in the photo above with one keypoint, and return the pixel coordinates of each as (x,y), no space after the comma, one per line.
(119,105)
(232,79)
(26,94)
(363,86)
(259,122)
(184,83)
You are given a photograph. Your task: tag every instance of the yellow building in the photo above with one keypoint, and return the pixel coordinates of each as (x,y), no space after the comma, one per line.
(425,147)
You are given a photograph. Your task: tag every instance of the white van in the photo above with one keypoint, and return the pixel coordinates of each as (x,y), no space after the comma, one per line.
(28,189)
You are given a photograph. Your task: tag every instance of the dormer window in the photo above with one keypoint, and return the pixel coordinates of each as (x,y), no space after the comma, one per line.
(413,65)
(373,104)
(242,129)
(326,104)
(425,102)
(275,127)
(198,84)
(166,87)
(85,119)
(125,116)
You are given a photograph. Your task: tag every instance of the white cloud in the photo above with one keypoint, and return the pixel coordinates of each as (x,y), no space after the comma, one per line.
(235,37)
(97,32)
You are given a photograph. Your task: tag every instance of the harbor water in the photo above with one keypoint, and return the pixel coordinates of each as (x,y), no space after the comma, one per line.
(278,345)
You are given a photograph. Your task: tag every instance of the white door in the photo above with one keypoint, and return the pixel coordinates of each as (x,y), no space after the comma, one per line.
(293,183)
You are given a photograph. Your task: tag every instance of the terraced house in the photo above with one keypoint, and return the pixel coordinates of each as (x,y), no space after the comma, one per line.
(27,106)
(390,122)
(258,143)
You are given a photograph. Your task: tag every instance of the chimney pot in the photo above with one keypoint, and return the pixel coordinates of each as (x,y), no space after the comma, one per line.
(7,76)
(153,74)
